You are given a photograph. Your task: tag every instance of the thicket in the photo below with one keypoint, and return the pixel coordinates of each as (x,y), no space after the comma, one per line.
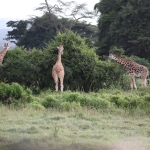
(83,68)
(14,94)
(105,99)
(124,24)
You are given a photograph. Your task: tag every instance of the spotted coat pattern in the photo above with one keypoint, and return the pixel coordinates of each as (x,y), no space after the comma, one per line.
(133,68)
(3,53)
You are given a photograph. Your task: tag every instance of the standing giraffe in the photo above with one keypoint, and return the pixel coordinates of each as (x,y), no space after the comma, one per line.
(58,70)
(134,69)
(3,53)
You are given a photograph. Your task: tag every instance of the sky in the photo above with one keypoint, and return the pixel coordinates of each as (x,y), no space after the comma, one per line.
(24,9)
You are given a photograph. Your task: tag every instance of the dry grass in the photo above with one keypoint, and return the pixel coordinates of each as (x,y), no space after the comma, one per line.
(85,130)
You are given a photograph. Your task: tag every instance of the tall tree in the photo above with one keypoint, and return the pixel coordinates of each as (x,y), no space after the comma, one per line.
(125,24)
(37,31)
(72,11)
(19,29)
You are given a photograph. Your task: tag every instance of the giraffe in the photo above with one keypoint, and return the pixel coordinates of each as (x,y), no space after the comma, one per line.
(133,68)
(58,70)
(3,53)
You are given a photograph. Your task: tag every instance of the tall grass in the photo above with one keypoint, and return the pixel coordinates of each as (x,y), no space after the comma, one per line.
(28,128)
(54,120)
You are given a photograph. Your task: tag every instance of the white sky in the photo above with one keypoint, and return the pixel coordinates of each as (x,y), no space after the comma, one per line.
(23,9)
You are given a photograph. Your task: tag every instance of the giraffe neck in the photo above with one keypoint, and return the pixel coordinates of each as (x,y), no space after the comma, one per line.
(59,57)
(122,61)
(3,53)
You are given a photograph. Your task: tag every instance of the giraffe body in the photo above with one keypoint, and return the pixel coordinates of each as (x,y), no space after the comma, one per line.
(3,53)
(58,70)
(133,68)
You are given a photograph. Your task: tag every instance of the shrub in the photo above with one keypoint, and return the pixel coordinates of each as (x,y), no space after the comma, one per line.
(119,101)
(85,101)
(36,106)
(51,102)
(147,98)
(14,93)
(100,104)
(73,97)
(16,90)
(4,91)
(67,106)
(145,104)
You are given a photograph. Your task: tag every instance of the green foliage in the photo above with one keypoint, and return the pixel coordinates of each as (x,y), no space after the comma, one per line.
(83,70)
(37,31)
(117,51)
(124,24)
(86,101)
(14,93)
(126,102)
(79,60)
(147,98)
(67,106)
(36,106)
(50,102)
(105,99)
(73,97)
(98,103)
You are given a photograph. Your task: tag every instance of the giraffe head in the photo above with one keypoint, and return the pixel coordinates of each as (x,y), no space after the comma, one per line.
(111,56)
(6,46)
(60,49)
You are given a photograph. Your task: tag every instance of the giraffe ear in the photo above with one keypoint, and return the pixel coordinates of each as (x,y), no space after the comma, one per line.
(57,47)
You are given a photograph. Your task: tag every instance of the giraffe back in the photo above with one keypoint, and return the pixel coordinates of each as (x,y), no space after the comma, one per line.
(132,67)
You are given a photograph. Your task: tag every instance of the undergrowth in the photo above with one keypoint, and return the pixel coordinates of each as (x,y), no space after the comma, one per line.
(105,99)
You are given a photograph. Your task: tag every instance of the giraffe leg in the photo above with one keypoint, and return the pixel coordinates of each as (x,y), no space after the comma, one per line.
(61,77)
(131,84)
(144,81)
(134,83)
(56,86)
(55,77)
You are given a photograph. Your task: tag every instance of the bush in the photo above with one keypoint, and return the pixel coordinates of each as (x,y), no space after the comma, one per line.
(145,104)
(119,101)
(14,93)
(16,90)
(36,106)
(85,101)
(51,102)
(83,69)
(73,97)
(67,106)
(100,104)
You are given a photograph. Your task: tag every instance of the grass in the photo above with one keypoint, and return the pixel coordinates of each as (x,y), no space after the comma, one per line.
(28,128)
(110,119)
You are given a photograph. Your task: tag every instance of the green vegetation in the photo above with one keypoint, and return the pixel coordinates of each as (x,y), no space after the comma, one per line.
(97,110)
(124,24)
(84,71)
(104,99)
(107,119)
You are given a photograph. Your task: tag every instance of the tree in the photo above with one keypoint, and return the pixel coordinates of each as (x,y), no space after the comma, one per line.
(124,24)
(72,11)
(19,29)
(37,31)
